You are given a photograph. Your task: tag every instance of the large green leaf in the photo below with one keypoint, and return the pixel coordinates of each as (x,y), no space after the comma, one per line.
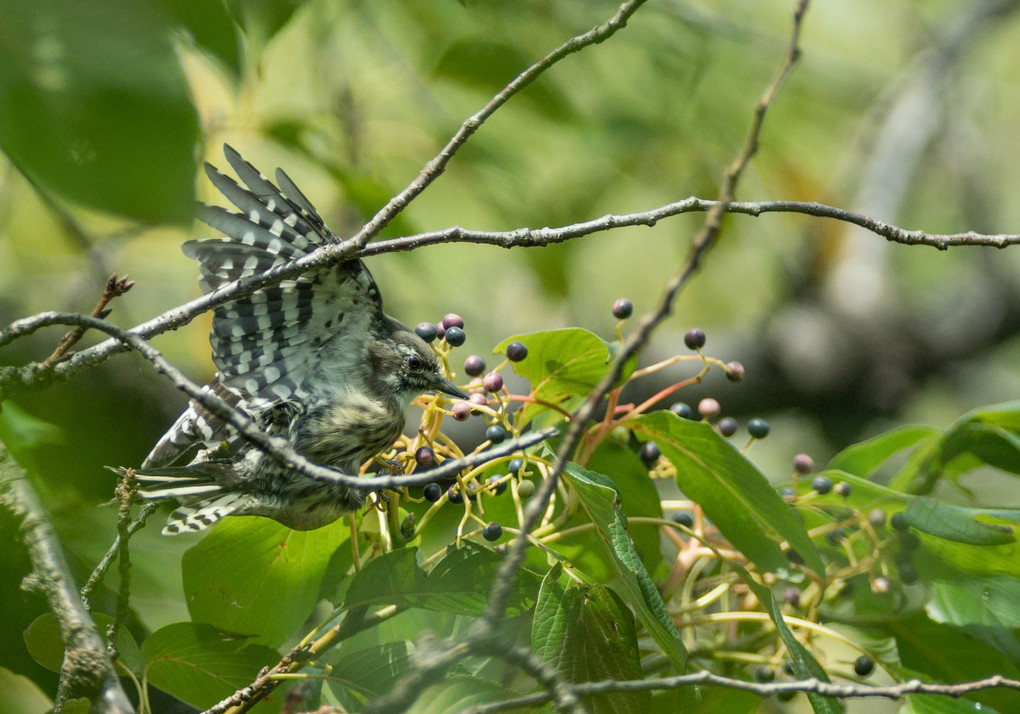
(588,635)
(459,583)
(600,500)
(96,106)
(975,526)
(943,653)
(563,366)
(201,665)
(733,493)
(257,577)
(865,457)
(44,642)
(987,609)
(20,694)
(990,435)
(370,671)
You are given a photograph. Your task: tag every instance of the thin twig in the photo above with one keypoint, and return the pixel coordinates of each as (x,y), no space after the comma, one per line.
(114,289)
(104,563)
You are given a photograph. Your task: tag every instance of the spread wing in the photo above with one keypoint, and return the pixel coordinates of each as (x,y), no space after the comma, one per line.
(266,344)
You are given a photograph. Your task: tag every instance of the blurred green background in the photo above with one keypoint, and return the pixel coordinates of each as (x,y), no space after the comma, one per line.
(905,111)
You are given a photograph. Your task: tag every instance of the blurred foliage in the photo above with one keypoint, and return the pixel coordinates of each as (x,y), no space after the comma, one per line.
(110,105)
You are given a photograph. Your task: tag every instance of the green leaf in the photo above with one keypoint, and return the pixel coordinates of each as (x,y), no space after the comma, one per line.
(96,106)
(936,704)
(588,635)
(212,29)
(733,493)
(21,694)
(942,653)
(989,435)
(200,664)
(370,671)
(457,692)
(600,500)
(458,583)
(45,644)
(23,434)
(563,365)
(987,609)
(257,577)
(865,457)
(975,526)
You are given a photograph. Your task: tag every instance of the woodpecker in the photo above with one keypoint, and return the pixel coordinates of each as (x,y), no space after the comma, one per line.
(312,359)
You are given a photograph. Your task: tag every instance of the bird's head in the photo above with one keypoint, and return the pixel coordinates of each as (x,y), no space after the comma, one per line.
(405,367)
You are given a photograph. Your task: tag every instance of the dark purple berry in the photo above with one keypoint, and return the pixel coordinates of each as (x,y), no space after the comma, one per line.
(821,484)
(684,518)
(496,434)
(452,319)
(791,596)
(515,466)
(426,331)
(455,336)
(694,339)
(758,428)
(836,536)
(425,456)
(622,309)
(492,531)
(454,495)
(516,351)
(474,365)
(440,331)
(864,665)
(803,464)
(709,408)
(764,674)
(682,410)
(498,485)
(493,382)
(899,522)
(433,492)
(478,398)
(876,517)
(727,426)
(734,371)
(842,489)
(650,453)
(461,410)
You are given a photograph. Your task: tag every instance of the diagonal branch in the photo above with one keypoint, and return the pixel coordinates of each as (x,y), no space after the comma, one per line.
(86,670)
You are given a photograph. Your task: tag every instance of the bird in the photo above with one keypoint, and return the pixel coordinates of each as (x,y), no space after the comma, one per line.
(312,359)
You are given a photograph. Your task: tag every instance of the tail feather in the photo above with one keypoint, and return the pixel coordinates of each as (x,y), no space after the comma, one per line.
(197,516)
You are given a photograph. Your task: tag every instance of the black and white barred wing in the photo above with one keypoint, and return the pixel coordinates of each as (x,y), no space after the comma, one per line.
(266,344)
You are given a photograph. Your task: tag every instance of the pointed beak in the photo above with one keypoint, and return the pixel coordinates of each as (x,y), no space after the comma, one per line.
(442,384)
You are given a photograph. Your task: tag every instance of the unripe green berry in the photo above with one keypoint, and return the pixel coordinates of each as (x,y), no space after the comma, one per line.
(526,489)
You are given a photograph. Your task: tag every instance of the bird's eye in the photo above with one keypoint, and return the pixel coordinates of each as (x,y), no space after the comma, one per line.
(414,362)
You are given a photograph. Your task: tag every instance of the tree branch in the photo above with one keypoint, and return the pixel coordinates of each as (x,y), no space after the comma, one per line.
(86,669)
